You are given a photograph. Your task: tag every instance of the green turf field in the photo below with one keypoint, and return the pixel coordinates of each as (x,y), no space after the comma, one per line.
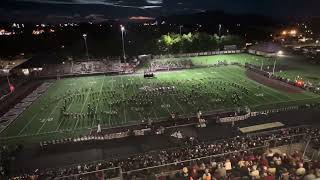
(73,106)
(288,66)
(232,58)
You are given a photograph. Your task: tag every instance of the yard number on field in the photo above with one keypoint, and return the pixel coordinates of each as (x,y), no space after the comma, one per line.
(46,119)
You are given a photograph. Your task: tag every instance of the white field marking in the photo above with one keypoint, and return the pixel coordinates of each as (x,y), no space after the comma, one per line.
(35,113)
(151,106)
(174,99)
(98,99)
(276,92)
(135,93)
(217,110)
(231,79)
(165,104)
(206,102)
(44,133)
(110,104)
(54,109)
(85,101)
(58,127)
(289,101)
(27,124)
(267,87)
(124,109)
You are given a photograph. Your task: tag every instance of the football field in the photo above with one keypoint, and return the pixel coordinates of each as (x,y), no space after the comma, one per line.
(74,106)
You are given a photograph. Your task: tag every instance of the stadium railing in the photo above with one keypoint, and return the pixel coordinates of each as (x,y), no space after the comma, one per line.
(110,173)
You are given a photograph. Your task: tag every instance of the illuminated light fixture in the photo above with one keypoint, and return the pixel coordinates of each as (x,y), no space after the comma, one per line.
(280,53)
(293,32)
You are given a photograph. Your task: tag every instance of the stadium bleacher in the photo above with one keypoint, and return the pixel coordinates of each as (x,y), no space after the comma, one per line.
(14,113)
(243,152)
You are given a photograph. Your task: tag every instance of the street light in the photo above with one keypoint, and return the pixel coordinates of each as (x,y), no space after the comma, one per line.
(85,43)
(123,50)
(180,29)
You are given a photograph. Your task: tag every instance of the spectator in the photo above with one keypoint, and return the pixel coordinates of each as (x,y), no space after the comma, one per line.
(221,172)
(310,175)
(254,173)
(301,170)
(228,166)
(185,173)
(285,174)
(206,175)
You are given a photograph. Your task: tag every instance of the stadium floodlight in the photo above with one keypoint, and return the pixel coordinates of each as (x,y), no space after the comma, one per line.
(85,43)
(293,32)
(284,33)
(123,49)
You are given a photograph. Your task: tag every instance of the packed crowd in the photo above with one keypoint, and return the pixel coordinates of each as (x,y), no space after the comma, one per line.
(252,165)
(170,64)
(6,155)
(192,150)
(77,68)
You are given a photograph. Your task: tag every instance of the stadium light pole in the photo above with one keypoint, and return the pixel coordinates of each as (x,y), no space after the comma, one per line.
(279,53)
(274,65)
(123,49)
(85,43)
(180,29)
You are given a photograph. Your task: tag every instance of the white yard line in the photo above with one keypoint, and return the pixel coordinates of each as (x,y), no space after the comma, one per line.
(66,110)
(139,111)
(174,99)
(151,106)
(85,101)
(33,117)
(263,90)
(230,80)
(46,120)
(95,112)
(110,104)
(124,109)
(165,105)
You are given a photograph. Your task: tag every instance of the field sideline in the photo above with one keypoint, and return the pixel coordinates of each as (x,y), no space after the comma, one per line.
(131,99)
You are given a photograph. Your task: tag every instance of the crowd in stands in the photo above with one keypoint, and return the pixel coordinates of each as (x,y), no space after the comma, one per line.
(253,165)
(6,155)
(170,64)
(197,150)
(80,68)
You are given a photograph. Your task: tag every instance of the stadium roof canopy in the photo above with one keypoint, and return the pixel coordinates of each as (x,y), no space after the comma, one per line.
(267,47)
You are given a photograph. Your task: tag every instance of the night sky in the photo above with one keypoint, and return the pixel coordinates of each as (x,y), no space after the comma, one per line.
(100,10)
